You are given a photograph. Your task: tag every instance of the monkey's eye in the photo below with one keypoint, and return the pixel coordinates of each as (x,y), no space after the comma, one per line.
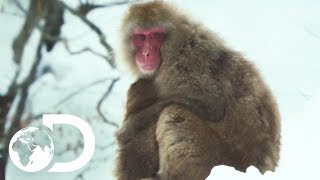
(142,37)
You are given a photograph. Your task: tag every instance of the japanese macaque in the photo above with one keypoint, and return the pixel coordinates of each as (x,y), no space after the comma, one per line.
(196,103)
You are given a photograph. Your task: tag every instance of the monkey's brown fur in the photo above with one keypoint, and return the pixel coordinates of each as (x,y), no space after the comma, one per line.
(205,106)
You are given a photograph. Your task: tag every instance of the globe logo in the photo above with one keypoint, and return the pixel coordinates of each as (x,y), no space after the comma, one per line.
(31,149)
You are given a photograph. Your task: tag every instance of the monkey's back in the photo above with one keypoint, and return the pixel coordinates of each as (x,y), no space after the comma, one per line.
(223,88)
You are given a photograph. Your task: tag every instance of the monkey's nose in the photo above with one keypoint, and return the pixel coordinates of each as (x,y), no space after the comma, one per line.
(146,54)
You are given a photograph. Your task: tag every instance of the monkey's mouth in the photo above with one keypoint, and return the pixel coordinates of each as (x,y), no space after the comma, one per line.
(149,67)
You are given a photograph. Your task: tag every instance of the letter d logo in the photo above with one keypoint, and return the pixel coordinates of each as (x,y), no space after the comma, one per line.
(39,157)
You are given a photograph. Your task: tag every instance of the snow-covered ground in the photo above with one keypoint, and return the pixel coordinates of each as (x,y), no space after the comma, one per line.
(281,37)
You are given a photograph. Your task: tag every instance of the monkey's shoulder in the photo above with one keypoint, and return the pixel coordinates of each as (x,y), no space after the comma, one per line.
(233,67)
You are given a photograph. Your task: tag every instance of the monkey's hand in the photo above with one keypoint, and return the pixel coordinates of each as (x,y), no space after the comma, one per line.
(122,134)
(133,125)
(137,122)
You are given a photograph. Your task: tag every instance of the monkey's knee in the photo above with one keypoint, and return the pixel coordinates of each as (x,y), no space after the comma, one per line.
(173,125)
(171,113)
(184,145)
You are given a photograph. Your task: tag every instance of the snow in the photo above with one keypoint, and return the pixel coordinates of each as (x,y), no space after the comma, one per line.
(281,37)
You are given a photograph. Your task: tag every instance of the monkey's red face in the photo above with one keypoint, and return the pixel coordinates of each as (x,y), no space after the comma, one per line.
(147,44)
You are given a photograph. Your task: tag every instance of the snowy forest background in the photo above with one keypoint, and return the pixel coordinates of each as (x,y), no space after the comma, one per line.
(78,76)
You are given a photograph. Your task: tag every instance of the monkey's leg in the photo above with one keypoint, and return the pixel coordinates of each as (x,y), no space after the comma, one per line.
(187,146)
(138,158)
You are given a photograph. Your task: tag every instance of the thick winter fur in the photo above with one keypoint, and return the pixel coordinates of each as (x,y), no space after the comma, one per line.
(205,106)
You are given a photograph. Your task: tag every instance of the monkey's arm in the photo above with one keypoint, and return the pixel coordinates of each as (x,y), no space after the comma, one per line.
(141,94)
(143,109)
(138,121)
(135,122)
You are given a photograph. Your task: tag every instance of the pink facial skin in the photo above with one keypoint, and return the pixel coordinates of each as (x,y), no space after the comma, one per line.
(147,43)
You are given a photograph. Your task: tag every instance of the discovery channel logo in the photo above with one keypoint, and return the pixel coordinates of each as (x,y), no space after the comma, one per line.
(40,157)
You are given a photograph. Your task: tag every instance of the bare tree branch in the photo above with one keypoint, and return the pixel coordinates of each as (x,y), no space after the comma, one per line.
(85,8)
(21,90)
(78,91)
(20,7)
(20,41)
(4,11)
(66,44)
(109,4)
(83,50)
(48,11)
(105,95)
(24,91)
(30,23)
(97,30)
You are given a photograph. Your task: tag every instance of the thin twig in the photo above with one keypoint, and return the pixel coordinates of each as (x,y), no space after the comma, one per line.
(85,8)
(20,7)
(85,49)
(103,148)
(80,90)
(65,43)
(109,4)
(312,33)
(307,96)
(97,30)
(105,95)
(3,11)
